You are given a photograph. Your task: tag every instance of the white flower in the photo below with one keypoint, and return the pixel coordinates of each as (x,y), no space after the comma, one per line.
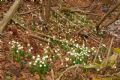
(38,55)
(13,41)
(73,51)
(73,61)
(89,51)
(44,65)
(29,50)
(27,32)
(66,41)
(30,63)
(43,58)
(98,69)
(21,47)
(54,37)
(71,39)
(40,65)
(62,63)
(50,59)
(77,45)
(58,54)
(46,56)
(33,57)
(95,51)
(28,44)
(13,46)
(67,59)
(46,51)
(38,59)
(17,43)
(66,65)
(80,59)
(9,42)
(40,44)
(56,51)
(17,51)
(47,47)
(43,62)
(34,63)
(104,45)
(93,48)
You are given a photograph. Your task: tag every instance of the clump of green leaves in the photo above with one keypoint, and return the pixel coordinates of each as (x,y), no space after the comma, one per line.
(78,55)
(64,46)
(18,54)
(84,21)
(39,65)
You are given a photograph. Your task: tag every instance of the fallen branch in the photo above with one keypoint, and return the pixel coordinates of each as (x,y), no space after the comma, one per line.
(98,51)
(38,37)
(9,14)
(30,11)
(104,17)
(109,51)
(116,18)
(74,66)
(52,74)
(37,34)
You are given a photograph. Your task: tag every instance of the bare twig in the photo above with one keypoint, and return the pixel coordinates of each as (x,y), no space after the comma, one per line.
(37,34)
(113,20)
(38,37)
(9,14)
(109,51)
(98,50)
(30,11)
(104,17)
(74,66)
(52,74)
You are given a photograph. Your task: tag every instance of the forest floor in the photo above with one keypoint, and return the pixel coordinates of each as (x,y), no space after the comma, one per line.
(28,38)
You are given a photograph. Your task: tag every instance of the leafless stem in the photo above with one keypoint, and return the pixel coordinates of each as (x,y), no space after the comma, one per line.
(109,51)
(104,17)
(9,15)
(98,50)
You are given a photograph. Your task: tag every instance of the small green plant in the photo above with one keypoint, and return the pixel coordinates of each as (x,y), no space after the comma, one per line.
(78,54)
(39,65)
(64,46)
(18,54)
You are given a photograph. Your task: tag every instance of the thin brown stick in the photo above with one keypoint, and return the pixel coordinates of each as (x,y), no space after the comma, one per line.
(52,74)
(74,66)
(37,34)
(109,51)
(98,50)
(104,17)
(9,15)
(112,20)
(38,37)
(30,11)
